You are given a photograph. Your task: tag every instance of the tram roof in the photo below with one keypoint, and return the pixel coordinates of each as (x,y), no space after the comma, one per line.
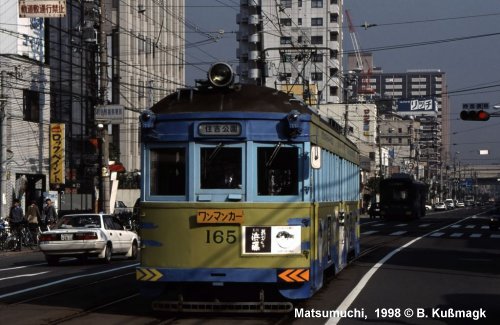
(239,98)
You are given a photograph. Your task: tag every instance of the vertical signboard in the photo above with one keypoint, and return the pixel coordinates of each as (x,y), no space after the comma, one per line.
(57,141)
(42,8)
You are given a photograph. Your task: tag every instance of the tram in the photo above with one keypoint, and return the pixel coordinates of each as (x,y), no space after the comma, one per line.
(248,198)
(402,197)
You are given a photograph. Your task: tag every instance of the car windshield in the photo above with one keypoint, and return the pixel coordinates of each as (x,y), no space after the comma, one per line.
(81,221)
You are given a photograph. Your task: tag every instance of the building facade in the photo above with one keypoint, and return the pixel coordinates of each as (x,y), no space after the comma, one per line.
(24,108)
(294,46)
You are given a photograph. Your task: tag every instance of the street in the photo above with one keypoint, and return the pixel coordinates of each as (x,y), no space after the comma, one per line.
(442,269)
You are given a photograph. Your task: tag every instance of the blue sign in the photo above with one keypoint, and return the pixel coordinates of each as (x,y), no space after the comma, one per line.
(420,106)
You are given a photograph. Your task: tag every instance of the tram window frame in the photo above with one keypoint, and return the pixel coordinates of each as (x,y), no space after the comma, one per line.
(159,175)
(293,163)
(222,177)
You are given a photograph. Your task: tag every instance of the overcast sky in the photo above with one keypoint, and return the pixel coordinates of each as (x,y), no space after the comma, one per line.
(471,64)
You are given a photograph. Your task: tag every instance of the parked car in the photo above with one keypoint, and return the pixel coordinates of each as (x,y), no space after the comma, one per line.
(428,207)
(440,206)
(88,235)
(374,210)
(460,204)
(449,204)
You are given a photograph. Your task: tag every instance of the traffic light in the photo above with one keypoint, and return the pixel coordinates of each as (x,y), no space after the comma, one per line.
(475,115)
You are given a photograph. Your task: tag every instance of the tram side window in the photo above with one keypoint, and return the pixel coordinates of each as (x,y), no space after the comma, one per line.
(277,170)
(220,168)
(168,171)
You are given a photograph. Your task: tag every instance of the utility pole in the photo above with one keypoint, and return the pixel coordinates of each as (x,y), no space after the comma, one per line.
(103,91)
(3,103)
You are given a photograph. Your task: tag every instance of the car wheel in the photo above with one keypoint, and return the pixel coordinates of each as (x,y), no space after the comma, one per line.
(52,260)
(107,253)
(134,251)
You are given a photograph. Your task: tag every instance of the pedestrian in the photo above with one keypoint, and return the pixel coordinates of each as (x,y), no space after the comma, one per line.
(49,214)
(33,216)
(16,221)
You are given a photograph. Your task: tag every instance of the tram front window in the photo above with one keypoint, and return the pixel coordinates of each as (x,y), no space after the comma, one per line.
(277,170)
(168,171)
(220,168)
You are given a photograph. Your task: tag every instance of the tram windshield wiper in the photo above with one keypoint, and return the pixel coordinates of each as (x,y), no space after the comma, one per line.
(274,154)
(215,152)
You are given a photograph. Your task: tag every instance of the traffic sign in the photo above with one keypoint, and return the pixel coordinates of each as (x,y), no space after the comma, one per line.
(113,114)
(479,106)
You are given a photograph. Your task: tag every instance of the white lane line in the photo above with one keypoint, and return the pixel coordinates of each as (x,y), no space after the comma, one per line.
(378,225)
(49,284)
(456,226)
(370,232)
(437,234)
(485,227)
(494,236)
(23,275)
(398,233)
(470,226)
(424,225)
(456,234)
(21,267)
(401,225)
(347,302)
(475,235)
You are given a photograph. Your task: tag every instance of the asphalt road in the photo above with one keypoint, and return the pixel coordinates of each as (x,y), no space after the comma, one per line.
(445,261)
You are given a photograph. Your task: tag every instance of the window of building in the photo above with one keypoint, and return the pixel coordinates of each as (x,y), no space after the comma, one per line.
(300,3)
(333,72)
(31,105)
(316,3)
(334,54)
(286,22)
(334,90)
(168,171)
(317,57)
(400,130)
(334,36)
(286,3)
(317,21)
(316,76)
(334,17)
(299,39)
(285,40)
(334,2)
(278,170)
(316,40)
(140,89)
(299,22)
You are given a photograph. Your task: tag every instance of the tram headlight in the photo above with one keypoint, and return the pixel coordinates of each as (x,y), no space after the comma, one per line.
(220,75)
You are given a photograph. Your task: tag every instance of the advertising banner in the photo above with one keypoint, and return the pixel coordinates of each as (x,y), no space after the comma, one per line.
(420,106)
(57,153)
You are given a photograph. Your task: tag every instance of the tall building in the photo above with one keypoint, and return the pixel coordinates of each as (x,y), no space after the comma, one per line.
(24,108)
(294,46)
(144,62)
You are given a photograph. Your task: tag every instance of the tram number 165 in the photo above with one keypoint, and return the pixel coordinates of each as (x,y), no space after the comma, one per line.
(220,236)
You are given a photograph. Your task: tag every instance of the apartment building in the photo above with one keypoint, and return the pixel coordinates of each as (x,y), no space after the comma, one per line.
(294,46)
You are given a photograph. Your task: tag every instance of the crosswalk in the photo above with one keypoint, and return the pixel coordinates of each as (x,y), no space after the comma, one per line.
(454,231)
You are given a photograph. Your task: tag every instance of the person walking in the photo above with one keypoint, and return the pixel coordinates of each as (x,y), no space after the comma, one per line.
(33,216)
(16,221)
(49,214)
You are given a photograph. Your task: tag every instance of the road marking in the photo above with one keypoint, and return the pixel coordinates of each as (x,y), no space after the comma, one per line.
(475,235)
(494,236)
(66,280)
(456,226)
(402,225)
(369,232)
(21,267)
(424,225)
(23,275)
(456,234)
(349,299)
(437,234)
(398,233)
(485,227)
(378,225)
(470,226)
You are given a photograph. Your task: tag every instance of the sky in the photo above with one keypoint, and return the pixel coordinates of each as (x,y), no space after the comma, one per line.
(465,37)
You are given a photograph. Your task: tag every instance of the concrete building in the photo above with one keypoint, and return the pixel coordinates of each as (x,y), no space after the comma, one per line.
(295,46)
(24,108)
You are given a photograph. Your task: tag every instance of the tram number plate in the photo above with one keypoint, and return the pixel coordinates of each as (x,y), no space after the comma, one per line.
(220,216)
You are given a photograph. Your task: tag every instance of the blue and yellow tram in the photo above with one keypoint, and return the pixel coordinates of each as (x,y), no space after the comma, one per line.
(248,197)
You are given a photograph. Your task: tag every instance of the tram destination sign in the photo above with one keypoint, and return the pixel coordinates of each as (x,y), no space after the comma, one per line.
(219,129)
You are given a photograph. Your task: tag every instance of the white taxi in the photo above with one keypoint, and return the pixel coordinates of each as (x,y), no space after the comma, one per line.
(88,235)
